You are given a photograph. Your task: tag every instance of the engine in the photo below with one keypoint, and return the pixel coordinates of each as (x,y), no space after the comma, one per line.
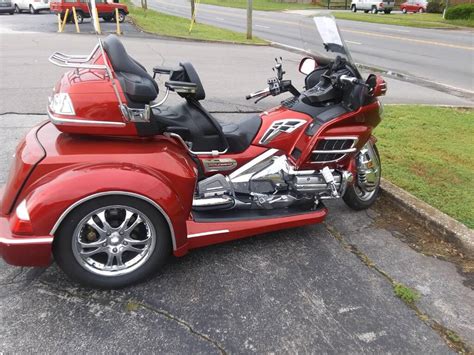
(269,181)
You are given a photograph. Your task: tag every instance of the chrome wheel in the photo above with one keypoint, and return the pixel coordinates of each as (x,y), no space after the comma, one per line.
(368,173)
(113,240)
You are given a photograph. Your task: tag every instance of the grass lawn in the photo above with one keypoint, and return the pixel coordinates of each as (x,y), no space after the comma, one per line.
(264,5)
(429,151)
(412,20)
(167,25)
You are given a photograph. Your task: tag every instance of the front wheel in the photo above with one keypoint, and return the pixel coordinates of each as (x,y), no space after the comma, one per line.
(112,241)
(366,187)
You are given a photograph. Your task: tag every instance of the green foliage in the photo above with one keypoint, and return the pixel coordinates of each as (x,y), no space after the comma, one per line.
(168,25)
(429,152)
(405,293)
(460,12)
(411,20)
(435,7)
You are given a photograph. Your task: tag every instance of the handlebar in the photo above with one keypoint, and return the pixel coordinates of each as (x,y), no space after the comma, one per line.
(351,79)
(261,93)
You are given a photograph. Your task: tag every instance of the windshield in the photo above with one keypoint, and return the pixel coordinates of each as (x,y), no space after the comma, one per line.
(321,37)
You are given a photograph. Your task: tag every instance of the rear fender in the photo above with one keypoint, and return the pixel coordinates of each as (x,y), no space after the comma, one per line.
(52,198)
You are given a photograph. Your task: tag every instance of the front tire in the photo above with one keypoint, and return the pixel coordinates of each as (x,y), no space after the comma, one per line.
(112,242)
(366,187)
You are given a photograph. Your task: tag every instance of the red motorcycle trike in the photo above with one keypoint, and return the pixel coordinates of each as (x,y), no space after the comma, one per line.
(114,182)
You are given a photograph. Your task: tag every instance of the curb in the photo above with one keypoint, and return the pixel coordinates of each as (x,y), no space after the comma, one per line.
(434,220)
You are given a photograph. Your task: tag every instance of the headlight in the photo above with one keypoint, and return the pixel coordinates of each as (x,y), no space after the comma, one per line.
(61,104)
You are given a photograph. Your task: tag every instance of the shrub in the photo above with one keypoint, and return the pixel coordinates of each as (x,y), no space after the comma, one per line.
(460,12)
(435,7)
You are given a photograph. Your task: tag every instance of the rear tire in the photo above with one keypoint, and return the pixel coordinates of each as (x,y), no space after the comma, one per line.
(117,253)
(362,193)
(79,16)
(121,16)
(354,8)
(32,10)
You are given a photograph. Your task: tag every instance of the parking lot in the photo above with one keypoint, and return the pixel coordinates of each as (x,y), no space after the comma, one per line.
(325,288)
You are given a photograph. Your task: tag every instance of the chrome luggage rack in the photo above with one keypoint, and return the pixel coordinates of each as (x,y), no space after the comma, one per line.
(84,62)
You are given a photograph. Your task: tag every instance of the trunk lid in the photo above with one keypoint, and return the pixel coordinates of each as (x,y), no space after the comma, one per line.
(28,154)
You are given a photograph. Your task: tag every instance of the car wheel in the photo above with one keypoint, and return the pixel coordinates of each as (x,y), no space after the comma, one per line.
(112,241)
(366,187)
(387,12)
(121,16)
(32,10)
(420,10)
(354,8)
(80,17)
(366,11)
(374,10)
(17,9)
(404,10)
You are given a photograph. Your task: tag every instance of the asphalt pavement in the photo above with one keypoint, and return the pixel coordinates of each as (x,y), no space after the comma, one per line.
(442,56)
(303,290)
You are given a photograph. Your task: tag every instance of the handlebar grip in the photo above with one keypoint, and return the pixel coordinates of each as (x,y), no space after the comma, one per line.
(248,97)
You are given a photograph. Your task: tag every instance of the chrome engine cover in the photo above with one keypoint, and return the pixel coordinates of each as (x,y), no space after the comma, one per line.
(270,181)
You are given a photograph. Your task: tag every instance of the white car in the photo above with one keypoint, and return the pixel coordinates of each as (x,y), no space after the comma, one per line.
(33,6)
(372,6)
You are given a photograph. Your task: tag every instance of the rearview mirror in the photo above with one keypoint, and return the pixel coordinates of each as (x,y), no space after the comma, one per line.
(307,65)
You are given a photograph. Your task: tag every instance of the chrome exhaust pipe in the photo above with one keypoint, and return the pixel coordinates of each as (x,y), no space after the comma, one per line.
(213,203)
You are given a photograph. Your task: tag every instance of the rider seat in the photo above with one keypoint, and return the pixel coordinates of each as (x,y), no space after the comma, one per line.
(190,119)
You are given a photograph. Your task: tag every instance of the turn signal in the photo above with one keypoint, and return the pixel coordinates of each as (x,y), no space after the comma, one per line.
(20,221)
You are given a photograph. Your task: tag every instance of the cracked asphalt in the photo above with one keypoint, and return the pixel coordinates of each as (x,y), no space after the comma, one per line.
(302,290)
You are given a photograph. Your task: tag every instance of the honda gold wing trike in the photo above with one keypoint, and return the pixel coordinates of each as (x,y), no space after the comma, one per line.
(115,181)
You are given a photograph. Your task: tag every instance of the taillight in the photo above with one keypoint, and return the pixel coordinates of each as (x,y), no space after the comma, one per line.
(20,221)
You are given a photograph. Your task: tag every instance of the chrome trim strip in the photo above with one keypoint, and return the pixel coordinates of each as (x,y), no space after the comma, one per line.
(214,153)
(19,241)
(341,151)
(196,235)
(253,162)
(132,194)
(60,121)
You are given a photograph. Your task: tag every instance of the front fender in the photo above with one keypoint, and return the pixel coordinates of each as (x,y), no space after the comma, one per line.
(56,194)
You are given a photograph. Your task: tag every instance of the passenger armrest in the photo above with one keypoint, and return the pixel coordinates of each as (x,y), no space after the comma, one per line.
(164,70)
(181,87)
